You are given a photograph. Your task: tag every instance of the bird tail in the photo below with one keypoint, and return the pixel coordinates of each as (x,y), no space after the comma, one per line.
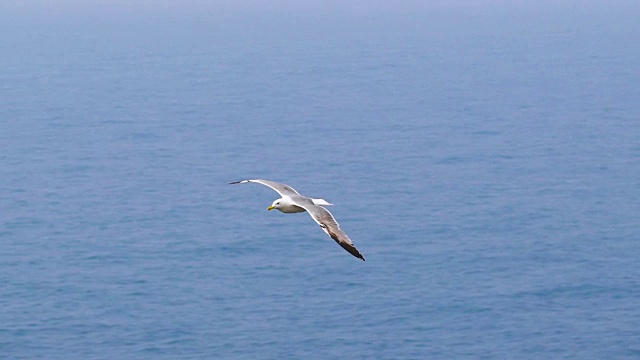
(322,202)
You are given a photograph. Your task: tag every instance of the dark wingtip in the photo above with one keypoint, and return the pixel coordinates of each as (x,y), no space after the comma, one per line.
(353,251)
(235,182)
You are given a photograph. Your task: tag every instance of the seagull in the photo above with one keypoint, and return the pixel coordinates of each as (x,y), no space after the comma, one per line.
(292,202)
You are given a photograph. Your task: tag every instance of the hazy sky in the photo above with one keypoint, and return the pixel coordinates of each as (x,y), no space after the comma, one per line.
(70,7)
(64,12)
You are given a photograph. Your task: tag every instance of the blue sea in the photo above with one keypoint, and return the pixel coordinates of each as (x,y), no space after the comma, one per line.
(484,157)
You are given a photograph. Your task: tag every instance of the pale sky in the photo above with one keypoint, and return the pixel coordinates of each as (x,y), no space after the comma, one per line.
(122,6)
(54,9)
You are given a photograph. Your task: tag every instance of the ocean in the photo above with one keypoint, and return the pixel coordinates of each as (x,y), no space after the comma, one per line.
(483,157)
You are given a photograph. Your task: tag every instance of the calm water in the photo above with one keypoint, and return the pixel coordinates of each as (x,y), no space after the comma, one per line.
(485,161)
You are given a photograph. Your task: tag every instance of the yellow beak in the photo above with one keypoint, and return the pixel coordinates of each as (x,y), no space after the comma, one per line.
(271,207)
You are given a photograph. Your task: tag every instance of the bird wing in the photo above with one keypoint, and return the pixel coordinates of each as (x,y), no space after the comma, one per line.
(282,189)
(330,226)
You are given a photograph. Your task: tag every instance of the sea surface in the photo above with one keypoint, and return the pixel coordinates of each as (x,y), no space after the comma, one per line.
(483,157)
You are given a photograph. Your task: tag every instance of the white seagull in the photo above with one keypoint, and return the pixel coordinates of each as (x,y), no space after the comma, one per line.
(292,202)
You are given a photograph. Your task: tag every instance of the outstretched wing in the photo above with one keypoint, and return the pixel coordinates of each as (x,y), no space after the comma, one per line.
(282,189)
(329,224)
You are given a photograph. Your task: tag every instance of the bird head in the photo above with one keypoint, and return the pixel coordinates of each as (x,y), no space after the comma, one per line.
(276,204)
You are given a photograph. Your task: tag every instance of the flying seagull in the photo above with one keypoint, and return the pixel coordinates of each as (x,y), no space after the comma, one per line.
(292,202)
